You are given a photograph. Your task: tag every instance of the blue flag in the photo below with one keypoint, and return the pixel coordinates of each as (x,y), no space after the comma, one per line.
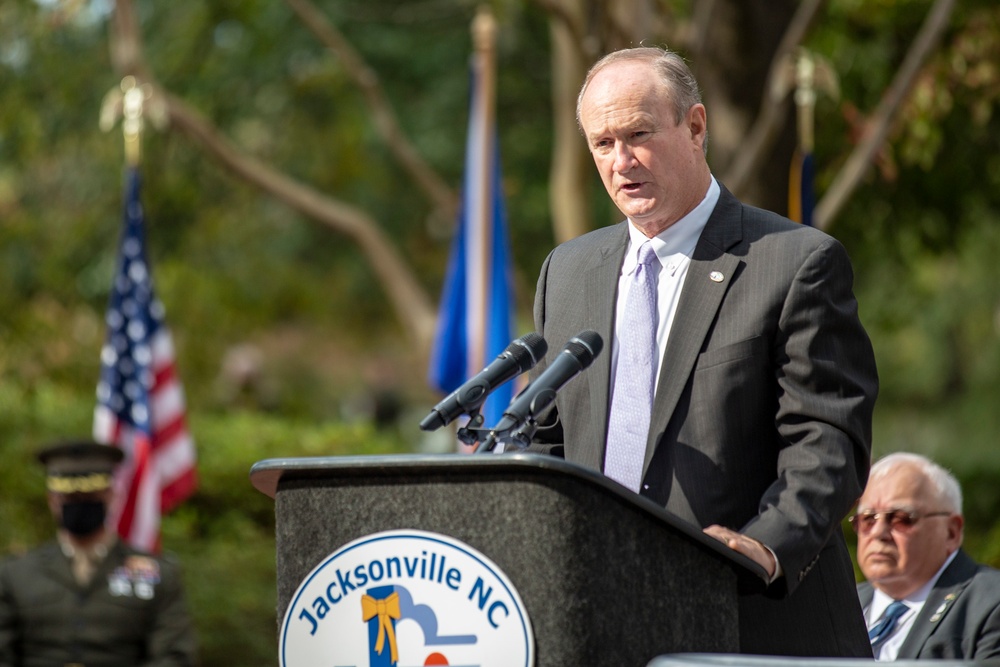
(801,199)
(475,320)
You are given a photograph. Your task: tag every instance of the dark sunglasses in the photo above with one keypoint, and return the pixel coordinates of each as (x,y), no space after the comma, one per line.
(900,521)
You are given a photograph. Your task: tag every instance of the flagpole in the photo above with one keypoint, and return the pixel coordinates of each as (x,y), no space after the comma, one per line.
(140,402)
(812,75)
(132,121)
(126,100)
(476,313)
(481,229)
(805,100)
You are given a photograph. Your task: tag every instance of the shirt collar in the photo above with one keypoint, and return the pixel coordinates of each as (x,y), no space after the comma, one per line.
(880,600)
(680,237)
(94,552)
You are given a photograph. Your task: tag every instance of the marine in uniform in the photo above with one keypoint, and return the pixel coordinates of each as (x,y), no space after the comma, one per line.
(88,599)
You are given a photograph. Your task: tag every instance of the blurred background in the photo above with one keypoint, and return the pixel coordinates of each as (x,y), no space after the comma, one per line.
(289,341)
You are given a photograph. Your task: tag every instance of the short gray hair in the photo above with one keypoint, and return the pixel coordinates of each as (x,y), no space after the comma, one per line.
(670,66)
(945,485)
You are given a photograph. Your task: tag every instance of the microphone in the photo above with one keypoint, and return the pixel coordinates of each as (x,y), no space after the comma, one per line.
(578,354)
(521,355)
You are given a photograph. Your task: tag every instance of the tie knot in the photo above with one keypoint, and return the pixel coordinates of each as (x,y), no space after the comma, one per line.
(895,610)
(647,254)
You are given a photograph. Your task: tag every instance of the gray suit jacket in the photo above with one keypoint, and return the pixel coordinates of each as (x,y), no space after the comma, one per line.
(960,619)
(762,416)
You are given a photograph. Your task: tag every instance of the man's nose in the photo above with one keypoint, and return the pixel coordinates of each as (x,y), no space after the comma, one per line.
(882,528)
(624,157)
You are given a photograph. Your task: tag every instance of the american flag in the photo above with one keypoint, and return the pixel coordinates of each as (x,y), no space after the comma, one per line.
(140,401)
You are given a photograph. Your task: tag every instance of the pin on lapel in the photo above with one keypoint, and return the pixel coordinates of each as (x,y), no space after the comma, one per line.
(939,612)
(716,276)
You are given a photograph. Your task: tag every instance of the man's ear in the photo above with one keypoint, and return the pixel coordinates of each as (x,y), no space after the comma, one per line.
(956,524)
(697,122)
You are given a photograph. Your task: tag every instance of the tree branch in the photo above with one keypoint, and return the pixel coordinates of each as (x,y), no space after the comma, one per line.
(411,302)
(444,199)
(125,42)
(878,127)
(412,305)
(563,18)
(700,20)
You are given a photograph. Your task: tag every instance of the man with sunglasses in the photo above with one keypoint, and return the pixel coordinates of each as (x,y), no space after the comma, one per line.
(924,596)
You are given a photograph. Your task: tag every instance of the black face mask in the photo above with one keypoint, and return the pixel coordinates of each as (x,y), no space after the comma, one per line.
(83,517)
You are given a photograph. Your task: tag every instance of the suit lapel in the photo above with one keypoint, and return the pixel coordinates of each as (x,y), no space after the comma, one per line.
(601,290)
(940,601)
(865,594)
(706,284)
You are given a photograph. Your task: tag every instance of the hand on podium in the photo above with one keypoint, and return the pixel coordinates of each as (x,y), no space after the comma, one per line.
(747,546)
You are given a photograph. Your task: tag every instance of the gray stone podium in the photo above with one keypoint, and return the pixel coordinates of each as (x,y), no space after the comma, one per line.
(606,576)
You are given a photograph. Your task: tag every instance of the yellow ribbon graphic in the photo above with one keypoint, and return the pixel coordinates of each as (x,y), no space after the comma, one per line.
(386,610)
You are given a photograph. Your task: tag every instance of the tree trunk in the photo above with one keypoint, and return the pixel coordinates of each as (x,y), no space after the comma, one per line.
(570,173)
(740,43)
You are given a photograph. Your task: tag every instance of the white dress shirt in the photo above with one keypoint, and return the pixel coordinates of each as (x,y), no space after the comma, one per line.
(873,614)
(674,247)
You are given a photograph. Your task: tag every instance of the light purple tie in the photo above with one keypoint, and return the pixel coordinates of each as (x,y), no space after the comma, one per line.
(635,376)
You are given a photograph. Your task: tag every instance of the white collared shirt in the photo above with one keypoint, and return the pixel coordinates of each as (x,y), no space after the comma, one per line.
(674,247)
(915,601)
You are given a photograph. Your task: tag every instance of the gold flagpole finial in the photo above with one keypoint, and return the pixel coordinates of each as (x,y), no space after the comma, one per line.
(813,74)
(805,99)
(805,74)
(484,29)
(129,102)
(132,101)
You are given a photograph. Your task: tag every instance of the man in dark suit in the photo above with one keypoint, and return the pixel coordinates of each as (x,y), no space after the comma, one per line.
(909,525)
(755,394)
(87,598)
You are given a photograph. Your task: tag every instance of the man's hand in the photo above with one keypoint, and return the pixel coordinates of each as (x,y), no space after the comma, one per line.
(747,546)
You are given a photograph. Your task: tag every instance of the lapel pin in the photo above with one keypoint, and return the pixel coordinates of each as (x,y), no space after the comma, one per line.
(716,276)
(939,612)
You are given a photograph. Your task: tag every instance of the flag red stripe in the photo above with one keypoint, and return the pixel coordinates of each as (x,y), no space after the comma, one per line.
(141,458)
(179,490)
(163,375)
(176,428)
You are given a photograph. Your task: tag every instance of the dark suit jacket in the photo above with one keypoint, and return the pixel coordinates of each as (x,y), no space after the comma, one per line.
(762,416)
(132,614)
(960,619)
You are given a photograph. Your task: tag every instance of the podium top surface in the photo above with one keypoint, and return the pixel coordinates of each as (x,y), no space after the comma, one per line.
(265,476)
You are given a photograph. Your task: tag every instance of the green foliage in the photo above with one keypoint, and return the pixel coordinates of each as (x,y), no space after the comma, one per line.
(284,344)
(223,536)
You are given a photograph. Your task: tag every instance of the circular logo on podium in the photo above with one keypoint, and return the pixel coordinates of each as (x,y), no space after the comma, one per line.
(406,598)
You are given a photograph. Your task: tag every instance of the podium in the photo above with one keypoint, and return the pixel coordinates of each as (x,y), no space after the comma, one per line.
(605,576)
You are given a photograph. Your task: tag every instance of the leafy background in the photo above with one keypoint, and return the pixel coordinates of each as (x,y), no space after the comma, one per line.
(247,281)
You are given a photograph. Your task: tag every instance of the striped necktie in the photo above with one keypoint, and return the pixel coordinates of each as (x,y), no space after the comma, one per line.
(882,630)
